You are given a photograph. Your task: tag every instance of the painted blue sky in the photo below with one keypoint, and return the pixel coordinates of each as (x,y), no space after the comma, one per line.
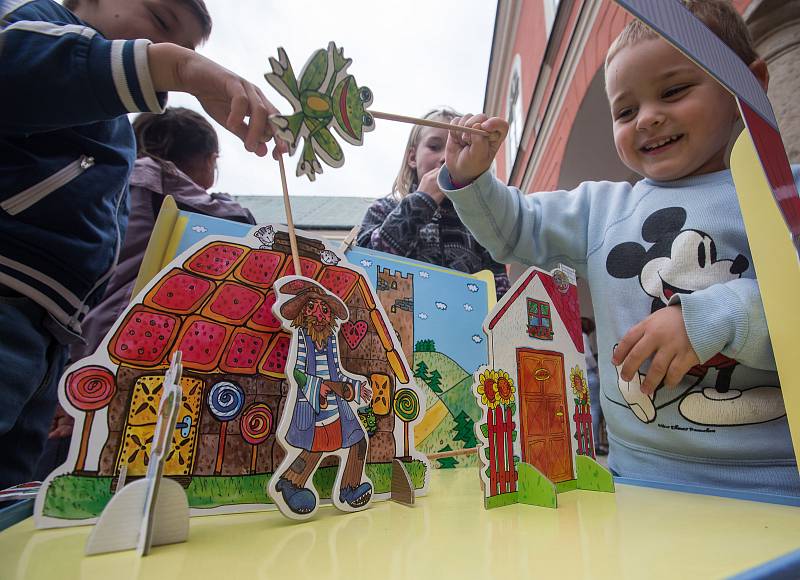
(448,308)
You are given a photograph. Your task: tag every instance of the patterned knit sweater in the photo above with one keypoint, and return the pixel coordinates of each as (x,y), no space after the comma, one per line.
(416,227)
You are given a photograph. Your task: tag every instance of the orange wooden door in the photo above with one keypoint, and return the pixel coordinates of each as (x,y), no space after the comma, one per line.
(543,413)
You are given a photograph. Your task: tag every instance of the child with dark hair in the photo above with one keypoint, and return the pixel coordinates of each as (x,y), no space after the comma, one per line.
(177,156)
(69,77)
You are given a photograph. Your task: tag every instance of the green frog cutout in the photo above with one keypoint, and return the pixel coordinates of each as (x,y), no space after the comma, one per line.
(325,96)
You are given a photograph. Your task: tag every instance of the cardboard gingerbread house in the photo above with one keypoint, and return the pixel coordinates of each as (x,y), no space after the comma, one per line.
(215,306)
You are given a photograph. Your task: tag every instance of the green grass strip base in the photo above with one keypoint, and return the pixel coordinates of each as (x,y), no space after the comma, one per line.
(592,476)
(568,485)
(534,488)
(501,500)
(76,497)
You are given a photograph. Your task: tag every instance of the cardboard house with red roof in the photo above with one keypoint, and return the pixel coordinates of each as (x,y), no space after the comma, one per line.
(533,394)
(214,304)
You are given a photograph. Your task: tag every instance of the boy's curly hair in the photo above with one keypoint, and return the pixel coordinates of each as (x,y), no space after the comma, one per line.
(198,8)
(179,135)
(719,15)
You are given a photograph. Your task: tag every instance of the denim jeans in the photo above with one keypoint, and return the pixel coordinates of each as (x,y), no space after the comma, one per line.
(31,363)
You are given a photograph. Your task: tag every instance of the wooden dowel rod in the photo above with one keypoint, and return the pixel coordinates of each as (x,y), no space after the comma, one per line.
(427,123)
(456,453)
(289,221)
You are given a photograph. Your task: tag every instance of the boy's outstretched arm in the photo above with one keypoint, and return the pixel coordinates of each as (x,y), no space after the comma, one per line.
(227,97)
(725,318)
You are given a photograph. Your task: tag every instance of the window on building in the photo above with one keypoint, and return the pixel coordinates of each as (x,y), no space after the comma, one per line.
(516,121)
(539,322)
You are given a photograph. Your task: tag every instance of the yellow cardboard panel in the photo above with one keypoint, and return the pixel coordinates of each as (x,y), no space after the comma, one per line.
(777,269)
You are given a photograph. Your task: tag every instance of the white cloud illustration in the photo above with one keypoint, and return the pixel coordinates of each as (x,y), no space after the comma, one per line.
(366,263)
(472,287)
(424,274)
(468,307)
(422,316)
(477,339)
(441,306)
(199,229)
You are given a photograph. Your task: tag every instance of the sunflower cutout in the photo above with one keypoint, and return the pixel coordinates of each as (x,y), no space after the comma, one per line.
(488,388)
(579,387)
(505,387)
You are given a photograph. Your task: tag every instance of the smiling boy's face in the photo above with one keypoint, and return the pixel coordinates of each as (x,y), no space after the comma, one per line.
(155,20)
(671,119)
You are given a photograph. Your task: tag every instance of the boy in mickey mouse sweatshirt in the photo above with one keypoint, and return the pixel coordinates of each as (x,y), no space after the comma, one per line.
(688,379)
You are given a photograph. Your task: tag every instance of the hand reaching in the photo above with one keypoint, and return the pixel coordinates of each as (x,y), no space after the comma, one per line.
(62,424)
(467,156)
(662,337)
(233,102)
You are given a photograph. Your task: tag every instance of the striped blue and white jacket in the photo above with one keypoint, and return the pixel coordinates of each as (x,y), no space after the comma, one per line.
(66,152)
(320,365)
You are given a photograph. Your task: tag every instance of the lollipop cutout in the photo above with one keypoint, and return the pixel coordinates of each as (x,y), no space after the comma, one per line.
(406,407)
(225,402)
(255,425)
(89,389)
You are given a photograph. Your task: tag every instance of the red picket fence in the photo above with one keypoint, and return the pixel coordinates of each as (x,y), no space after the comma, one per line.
(502,473)
(583,430)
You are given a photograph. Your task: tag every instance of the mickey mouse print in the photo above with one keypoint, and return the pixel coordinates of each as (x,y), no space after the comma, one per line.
(677,261)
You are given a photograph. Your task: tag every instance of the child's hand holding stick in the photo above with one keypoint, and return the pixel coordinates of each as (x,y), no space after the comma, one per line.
(468,154)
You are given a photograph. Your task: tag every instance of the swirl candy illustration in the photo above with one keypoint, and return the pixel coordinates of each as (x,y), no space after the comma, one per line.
(89,389)
(406,407)
(255,425)
(225,402)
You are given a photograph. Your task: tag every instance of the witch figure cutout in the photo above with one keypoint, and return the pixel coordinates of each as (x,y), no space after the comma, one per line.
(320,417)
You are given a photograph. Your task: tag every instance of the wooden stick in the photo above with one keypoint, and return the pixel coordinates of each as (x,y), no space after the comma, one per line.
(289,221)
(349,239)
(456,453)
(428,123)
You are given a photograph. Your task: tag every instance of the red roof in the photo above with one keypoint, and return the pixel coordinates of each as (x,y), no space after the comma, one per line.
(217,309)
(566,303)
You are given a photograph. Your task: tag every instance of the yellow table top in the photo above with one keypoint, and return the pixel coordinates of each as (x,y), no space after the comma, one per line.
(636,533)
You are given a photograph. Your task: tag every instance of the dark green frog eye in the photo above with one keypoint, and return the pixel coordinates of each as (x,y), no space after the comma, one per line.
(367,120)
(365,94)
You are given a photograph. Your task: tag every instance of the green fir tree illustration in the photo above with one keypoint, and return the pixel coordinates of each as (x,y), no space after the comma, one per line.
(447,462)
(465,430)
(422,371)
(435,382)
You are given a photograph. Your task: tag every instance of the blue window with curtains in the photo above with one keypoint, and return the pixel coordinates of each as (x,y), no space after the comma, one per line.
(539,322)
